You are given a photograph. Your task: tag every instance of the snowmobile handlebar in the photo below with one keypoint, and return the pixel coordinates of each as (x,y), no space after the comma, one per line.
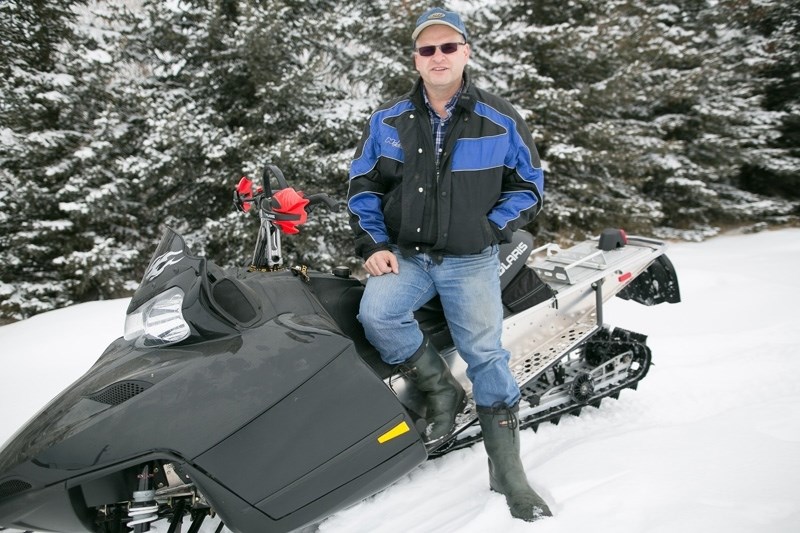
(281,210)
(244,195)
(322,198)
(313,199)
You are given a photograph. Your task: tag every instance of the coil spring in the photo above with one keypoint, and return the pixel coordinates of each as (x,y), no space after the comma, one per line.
(144,508)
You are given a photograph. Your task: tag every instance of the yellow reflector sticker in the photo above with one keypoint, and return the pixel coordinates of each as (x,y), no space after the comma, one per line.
(395,432)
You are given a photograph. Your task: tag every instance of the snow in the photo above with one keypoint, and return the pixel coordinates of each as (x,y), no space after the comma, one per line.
(55,97)
(101,56)
(8,137)
(709,442)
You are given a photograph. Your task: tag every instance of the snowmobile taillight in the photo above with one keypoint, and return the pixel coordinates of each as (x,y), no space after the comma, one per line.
(159,321)
(612,239)
(625,277)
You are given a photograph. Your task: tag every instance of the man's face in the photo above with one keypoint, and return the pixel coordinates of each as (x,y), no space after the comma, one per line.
(441,72)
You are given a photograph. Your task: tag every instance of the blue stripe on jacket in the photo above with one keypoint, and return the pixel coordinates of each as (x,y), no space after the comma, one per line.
(510,206)
(509,150)
(383,141)
(367,207)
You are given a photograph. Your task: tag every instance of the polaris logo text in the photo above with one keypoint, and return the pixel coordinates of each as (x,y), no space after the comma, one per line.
(512,258)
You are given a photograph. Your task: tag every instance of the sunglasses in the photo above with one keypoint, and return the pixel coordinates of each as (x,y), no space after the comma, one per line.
(446,48)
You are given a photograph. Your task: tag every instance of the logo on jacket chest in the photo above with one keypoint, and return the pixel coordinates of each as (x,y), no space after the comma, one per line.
(391,141)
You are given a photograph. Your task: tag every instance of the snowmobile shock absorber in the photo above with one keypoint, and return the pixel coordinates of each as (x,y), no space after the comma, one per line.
(144,508)
(598,292)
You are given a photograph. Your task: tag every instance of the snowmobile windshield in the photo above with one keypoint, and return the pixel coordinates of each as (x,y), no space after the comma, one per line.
(170,264)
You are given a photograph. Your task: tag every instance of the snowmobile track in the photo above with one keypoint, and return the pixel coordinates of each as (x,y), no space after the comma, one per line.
(595,363)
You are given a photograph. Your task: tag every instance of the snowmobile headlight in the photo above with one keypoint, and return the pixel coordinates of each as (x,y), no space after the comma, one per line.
(159,321)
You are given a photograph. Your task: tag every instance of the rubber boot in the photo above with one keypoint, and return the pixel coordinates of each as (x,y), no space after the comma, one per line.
(444,395)
(500,429)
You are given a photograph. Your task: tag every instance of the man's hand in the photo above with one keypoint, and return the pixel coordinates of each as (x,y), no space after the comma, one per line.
(381,262)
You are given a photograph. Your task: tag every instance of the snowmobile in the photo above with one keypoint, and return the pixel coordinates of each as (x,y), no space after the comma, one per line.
(251,394)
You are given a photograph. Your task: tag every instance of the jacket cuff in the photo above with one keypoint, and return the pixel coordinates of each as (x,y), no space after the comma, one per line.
(367,251)
(502,235)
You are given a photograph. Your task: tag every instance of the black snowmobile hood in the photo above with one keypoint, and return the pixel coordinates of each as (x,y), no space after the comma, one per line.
(225,373)
(130,394)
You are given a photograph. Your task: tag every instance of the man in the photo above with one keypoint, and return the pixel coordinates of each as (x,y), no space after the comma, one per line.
(441,176)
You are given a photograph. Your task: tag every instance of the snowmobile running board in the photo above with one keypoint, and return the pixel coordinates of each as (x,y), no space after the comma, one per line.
(563,356)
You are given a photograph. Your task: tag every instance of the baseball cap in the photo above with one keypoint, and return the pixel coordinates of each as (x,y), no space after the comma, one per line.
(437,15)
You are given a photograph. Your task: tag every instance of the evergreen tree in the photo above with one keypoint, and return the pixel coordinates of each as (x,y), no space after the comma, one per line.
(648,111)
(670,119)
(774,27)
(51,81)
(230,86)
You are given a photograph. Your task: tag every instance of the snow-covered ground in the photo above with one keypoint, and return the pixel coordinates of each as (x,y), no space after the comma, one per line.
(710,441)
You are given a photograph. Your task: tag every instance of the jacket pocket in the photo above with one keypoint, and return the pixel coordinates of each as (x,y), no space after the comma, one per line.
(489,235)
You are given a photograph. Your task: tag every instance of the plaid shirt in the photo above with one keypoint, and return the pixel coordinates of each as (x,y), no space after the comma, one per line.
(438,124)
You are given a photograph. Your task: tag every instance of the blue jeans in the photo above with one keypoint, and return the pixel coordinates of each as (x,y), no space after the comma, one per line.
(469,289)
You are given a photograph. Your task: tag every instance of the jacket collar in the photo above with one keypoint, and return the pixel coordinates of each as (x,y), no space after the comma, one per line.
(466,101)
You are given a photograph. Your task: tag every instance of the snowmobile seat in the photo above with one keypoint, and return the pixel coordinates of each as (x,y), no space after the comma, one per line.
(341,298)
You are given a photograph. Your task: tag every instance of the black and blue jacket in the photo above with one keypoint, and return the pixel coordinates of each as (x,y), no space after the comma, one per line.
(488,184)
